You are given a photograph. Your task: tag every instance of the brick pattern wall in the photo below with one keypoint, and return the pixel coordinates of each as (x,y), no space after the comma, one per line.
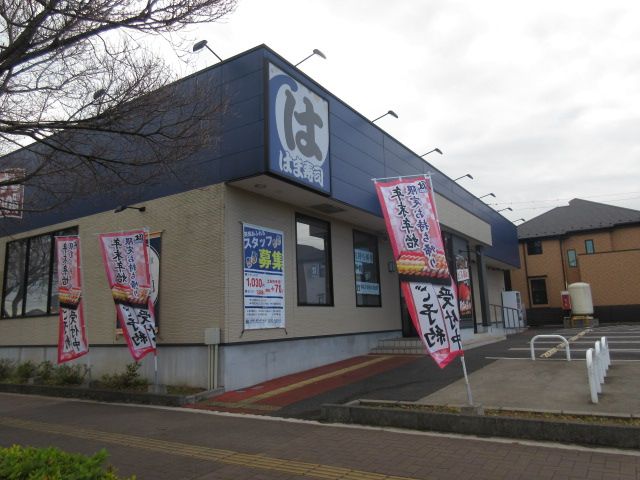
(302,321)
(191,270)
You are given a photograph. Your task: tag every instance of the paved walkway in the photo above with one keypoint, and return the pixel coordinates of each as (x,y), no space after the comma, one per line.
(162,443)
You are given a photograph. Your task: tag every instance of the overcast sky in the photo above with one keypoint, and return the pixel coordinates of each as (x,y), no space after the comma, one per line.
(539,101)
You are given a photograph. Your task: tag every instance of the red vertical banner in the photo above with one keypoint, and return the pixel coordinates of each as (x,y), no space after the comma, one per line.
(414,231)
(72,338)
(126,261)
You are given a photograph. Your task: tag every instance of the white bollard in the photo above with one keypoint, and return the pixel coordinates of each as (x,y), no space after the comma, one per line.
(599,361)
(607,355)
(591,375)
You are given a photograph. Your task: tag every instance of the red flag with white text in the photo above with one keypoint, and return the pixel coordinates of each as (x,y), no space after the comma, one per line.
(412,223)
(126,260)
(72,337)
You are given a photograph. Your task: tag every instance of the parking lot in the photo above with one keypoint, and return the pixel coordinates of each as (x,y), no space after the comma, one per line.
(623,341)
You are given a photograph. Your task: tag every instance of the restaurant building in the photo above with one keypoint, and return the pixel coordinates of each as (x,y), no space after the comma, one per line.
(286,194)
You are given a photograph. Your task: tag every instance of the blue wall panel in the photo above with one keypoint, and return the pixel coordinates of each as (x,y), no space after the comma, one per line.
(359,151)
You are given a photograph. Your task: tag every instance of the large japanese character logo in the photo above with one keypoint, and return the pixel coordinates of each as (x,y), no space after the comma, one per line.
(302,129)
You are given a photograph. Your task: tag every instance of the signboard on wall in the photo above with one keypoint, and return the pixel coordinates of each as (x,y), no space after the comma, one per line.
(263,282)
(298,132)
(11,196)
(464,286)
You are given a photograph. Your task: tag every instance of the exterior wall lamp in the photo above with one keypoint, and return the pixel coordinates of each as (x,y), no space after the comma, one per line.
(489,195)
(390,112)
(122,208)
(315,52)
(434,150)
(463,176)
(203,44)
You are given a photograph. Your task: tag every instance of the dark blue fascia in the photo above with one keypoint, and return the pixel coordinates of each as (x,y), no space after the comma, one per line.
(359,152)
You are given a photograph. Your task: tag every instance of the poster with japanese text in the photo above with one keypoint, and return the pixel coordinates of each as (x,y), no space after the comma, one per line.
(126,260)
(11,195)
(464,286)
(72,337)
(263,255)
(412,223)
(414,230)
(298,132)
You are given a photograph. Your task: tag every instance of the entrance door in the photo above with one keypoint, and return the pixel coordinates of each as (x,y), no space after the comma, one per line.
(408,330)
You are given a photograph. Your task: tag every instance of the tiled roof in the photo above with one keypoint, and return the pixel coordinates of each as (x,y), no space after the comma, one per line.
(579,215)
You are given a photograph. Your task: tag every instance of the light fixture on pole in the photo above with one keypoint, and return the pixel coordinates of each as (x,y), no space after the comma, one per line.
(203,44)
(519,220)
(463,176)
(122,208)
(489,195)
(434,150)
(503,209)
(390,112)
(315,52)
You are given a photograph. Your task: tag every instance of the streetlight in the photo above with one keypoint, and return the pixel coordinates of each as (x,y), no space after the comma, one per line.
(434,150)
(463,176)
(503,209)
(203,44)
(489,195)
(519,220)
(390,112)
(315,52)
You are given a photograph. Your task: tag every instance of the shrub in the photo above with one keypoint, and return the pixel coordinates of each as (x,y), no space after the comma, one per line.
(26,463)
(69,374)
(130,379)
(45,371)
(7,368)
(25,371)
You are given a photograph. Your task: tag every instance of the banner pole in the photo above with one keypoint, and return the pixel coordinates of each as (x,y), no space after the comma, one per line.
(466,381)
(155,366)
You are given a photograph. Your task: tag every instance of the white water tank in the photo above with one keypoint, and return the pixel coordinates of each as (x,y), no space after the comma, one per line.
(581,301)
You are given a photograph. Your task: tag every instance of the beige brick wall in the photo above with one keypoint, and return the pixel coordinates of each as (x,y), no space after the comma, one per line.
(614,277)
(191,271)
(344,316)
(625,238)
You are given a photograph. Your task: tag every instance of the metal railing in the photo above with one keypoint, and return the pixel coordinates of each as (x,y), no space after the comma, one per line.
(564,340)
(506,317)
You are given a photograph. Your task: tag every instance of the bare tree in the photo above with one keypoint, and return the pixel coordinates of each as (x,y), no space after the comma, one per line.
(76,112)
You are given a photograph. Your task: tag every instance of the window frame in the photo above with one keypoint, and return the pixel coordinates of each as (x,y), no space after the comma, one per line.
(27,241)
(377,264)
(574,263)
(546,295)
(308,220)
(534,247)
(593,246)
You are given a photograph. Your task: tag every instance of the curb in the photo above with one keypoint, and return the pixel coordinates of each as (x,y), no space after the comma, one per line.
(108,395)
(379,414)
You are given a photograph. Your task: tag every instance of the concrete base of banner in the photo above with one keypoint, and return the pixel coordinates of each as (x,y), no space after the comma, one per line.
(419,417)
(158,389)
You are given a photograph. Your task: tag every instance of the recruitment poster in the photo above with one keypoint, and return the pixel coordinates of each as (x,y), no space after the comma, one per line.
(263,256)
(72,337)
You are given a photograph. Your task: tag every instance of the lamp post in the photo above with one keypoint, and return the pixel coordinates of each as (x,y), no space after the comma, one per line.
(463,176)
(203,44)
(488,195)
(390,112)
(434,150)
(315,52)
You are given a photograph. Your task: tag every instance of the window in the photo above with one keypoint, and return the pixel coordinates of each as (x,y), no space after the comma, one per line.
(589,247)
(534,247)
(365,255)
(538,291)
(313,260)
(571,258)
(30,278)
